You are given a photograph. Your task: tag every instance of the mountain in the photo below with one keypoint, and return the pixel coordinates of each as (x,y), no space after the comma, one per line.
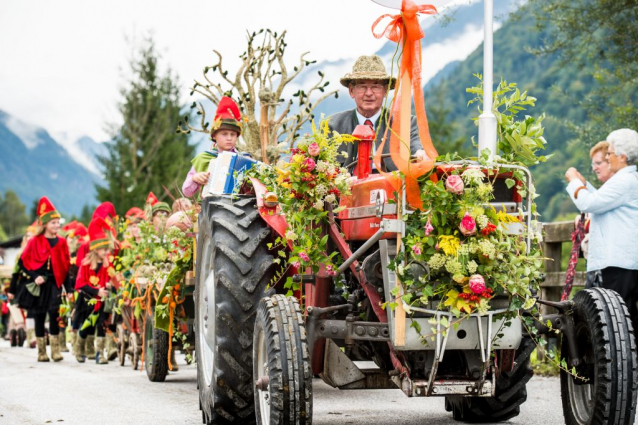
(33,164)
(556,85)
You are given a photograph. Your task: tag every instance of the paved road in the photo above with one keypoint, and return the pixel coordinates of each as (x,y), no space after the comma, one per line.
(71,393)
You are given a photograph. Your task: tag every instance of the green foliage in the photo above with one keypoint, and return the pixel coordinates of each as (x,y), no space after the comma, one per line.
(146,154)
(558,88)
(85,216)
(306,187)
(13,218)
(518,140)
(600,36)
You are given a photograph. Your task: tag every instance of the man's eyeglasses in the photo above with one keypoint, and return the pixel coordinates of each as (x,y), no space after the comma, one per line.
(363,88)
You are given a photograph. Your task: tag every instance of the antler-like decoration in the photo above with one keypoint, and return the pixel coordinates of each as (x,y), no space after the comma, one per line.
(259,83)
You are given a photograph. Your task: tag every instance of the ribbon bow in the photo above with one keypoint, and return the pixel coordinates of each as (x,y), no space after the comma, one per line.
(408,18)
(405,27)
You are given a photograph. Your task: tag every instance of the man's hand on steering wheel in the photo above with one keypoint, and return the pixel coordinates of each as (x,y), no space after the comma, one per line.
(420,155)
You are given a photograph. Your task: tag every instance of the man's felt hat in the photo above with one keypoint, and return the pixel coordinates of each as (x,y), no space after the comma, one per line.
(368,68)
(227,117)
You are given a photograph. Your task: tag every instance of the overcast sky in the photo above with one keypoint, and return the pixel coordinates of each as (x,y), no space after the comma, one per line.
(61,61)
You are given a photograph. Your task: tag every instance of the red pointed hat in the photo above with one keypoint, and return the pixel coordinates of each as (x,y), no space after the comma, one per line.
(33,228)
(69,228)
(227,117)
(135,215)
(81,231)
(46,210)
(98,233)
(154,205)
(104,210)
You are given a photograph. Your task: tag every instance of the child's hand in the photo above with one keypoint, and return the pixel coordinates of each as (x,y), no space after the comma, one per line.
(201,178)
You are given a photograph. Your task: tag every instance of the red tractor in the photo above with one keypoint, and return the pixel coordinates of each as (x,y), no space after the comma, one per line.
(258,350)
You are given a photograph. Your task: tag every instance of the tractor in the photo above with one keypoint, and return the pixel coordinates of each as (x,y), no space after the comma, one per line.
(258,350)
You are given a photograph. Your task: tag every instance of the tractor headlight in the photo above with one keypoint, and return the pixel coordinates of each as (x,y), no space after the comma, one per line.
(271,200)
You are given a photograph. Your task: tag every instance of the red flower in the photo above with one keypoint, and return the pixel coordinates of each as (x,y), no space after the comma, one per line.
(488,229)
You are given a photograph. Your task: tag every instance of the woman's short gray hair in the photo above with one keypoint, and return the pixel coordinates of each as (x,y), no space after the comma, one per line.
(625,142)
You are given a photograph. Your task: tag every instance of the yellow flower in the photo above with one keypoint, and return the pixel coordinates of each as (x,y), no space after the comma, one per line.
(449,244)
(503,217)
(298,159)
(94,280)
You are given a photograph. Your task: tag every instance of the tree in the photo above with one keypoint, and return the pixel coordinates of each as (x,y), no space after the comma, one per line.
(258,87)
(13,217)
(86,215)
(145,154)
(443,131)
(602,33)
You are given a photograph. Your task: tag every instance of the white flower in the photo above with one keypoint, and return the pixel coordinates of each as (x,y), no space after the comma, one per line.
(453,266)
(473,176)
(482,221)
(331,198)
(321,189)
(472,267)
(322,166)
(436,261)
(318,205)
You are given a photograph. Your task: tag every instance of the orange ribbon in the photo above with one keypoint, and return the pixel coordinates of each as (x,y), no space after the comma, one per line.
(405,27)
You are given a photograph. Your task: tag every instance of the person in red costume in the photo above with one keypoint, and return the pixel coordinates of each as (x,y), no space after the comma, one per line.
(45,264)
(93,283)
(105,211)
(76,234)
(156,211)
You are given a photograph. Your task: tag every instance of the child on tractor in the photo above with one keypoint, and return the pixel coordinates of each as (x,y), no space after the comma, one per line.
(225,132)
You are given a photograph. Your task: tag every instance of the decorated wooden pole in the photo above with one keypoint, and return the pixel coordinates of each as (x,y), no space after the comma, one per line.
(405,29)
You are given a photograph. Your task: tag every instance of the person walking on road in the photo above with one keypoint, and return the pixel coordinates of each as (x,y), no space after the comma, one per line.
(92,285)
(44,264)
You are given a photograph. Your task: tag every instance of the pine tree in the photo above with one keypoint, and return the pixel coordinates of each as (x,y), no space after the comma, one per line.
(13,218)
(146,154)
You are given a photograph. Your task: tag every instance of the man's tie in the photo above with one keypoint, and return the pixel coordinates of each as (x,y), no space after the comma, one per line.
(374,150)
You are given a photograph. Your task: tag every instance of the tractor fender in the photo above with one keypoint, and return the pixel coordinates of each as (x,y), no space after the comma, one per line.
(272,216)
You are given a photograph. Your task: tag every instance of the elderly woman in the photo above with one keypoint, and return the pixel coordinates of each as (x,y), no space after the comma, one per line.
(614,216)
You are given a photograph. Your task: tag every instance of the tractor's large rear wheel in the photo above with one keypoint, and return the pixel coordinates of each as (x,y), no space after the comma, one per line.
(281,366)
(234,268)
(606,344)
(511,392)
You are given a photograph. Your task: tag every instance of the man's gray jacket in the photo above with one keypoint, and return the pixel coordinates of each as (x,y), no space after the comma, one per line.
(345,123)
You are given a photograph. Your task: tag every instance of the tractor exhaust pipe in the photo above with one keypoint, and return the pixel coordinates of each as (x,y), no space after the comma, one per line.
(487,120)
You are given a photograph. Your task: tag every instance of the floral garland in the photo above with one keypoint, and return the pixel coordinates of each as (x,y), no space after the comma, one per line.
(162,259)
(307,187)
(466,246)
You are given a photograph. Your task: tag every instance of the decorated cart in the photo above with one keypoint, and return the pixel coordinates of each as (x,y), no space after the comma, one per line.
(155,305)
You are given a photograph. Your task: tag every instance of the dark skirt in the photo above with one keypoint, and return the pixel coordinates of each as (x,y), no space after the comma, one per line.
(49,298)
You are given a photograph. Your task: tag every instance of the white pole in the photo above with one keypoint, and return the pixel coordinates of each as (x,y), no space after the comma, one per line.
(487,120)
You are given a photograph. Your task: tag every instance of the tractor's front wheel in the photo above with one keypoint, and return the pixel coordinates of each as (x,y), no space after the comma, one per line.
(281,366)
(234,268)
(511,392)
(605,386)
